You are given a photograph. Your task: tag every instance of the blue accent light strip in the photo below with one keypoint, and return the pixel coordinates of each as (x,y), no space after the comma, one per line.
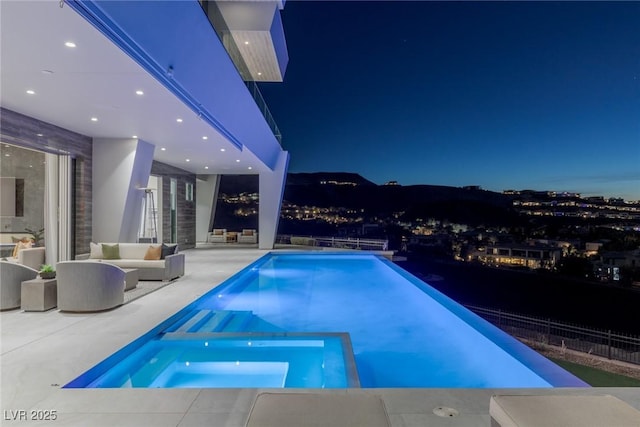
(96,16)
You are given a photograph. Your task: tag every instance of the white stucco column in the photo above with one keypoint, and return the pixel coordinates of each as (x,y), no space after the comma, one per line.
(51,219)
(206,196)
(271,190)
(120,168)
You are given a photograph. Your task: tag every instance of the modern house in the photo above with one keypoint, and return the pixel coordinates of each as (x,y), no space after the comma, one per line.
(117,115)
(114,113)
(530,256)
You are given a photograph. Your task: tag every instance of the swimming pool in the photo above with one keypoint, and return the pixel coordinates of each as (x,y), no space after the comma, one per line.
(403,333)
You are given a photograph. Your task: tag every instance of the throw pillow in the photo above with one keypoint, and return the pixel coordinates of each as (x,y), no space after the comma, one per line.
(168,250)
(153,253)
(111,251)
(16,248)
(20,246)
(96,251)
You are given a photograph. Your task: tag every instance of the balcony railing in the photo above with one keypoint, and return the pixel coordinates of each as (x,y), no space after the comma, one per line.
(335,242)
(224,34)
(262,105)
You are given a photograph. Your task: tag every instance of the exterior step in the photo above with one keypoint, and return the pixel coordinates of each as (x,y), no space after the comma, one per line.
(194,323)
(238,322)
(211,321)
(178,323)
(216,322)
(150,371)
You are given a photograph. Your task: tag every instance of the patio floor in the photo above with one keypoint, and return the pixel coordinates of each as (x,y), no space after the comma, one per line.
(40,352)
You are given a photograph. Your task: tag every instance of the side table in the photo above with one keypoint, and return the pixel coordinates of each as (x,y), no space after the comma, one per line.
(39,294)
(131,278)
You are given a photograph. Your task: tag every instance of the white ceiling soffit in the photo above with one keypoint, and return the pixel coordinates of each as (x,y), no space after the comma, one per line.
(256,48)
(255,28)
(95,79)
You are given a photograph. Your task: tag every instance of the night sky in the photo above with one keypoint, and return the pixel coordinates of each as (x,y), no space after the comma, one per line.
(505,95)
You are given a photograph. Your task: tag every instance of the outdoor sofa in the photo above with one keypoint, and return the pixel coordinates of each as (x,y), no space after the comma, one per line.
(31,257)
(218,235)
(248,236)
(153,261)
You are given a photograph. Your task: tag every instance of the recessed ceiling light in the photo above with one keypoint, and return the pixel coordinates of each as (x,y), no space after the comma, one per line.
(94,119)
(39,134)
(70,44)
(205,137)
(139,92)
(47,72)
(31,92)
(30,166)
(237,160)
(179,120)
(249,168)
(187,160)
(135,136)
(163,149)
(259,73)
(246,42)
(206,167)
(223,150)
(7,155)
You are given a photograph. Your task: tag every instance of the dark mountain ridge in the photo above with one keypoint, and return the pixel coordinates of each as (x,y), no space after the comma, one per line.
(307,178)
(351,191)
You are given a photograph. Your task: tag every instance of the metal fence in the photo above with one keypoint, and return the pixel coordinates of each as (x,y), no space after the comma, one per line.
(335,242)
(604,343)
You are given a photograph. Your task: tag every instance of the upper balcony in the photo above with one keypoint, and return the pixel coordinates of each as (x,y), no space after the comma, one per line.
(252,34)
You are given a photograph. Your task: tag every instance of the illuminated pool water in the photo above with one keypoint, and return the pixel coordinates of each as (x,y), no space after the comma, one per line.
(403,333)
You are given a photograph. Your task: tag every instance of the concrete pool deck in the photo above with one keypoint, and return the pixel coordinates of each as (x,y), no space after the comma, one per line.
(40,352)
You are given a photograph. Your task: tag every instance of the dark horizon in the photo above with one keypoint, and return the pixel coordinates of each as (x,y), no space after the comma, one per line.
(535,95)
(451,186)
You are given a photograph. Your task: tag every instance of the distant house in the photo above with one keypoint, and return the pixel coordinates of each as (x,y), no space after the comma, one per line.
(434,243)
(592,248)
(567,246)
(519,255)
(608,267)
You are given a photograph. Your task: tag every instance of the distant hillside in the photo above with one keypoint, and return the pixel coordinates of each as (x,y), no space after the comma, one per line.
(471,206)
(337,178)
(352,191)
(235,184)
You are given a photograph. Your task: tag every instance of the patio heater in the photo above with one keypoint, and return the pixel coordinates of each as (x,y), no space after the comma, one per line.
(148,227)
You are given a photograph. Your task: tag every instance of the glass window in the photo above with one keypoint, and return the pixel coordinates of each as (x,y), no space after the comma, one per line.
(189,192)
